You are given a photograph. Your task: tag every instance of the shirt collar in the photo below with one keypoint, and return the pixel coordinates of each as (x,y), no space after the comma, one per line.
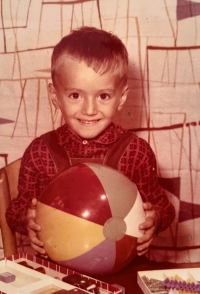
(109,136)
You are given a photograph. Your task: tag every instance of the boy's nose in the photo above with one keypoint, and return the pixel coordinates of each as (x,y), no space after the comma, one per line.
(89,107)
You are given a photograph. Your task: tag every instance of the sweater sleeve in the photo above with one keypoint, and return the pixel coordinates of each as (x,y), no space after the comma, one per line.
(36,172)
(142,170)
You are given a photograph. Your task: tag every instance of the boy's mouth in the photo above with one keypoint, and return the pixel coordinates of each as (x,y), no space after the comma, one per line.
(89,122)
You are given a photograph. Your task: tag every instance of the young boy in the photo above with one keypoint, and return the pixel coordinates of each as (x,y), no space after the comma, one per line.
(89,86)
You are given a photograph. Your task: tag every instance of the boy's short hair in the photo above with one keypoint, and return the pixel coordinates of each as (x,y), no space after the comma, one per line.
(100,50)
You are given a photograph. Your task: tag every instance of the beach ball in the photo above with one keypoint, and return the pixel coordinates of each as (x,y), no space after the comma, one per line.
(89,217)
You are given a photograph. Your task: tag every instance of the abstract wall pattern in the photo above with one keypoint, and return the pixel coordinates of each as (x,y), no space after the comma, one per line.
(163,41)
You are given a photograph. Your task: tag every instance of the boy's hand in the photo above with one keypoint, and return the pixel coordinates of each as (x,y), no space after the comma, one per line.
(149,226)
(34,228)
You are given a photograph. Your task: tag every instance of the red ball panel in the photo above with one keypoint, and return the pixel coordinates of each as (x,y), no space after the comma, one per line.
(126,250)
(79,192)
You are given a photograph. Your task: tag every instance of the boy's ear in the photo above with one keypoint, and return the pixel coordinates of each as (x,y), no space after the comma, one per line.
(123,97)
(53,96)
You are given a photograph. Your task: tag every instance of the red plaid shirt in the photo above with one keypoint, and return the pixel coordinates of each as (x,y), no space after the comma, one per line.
(37,170)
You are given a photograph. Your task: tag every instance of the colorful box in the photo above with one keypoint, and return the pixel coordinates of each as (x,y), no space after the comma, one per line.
(32,279)
(161,275)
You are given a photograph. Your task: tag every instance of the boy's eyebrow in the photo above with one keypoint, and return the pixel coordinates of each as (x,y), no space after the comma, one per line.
(81,90)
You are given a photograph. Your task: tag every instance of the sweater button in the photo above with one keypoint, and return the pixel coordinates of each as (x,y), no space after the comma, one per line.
(85,142)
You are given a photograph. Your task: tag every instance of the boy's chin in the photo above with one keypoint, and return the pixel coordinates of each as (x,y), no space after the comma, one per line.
(89,134)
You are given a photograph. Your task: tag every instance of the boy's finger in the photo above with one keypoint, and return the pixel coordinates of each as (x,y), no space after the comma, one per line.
(33,203)
(147,206)
(34,239)
(143,248)
(142,252)
(38,249)
(146,238)
(149,223)
(33,226)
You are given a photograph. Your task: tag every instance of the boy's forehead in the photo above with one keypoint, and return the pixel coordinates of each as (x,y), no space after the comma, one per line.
(68,63)
(73,70)
(99,66)
(68,60)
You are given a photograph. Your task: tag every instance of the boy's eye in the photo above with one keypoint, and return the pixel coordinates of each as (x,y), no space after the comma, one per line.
(74,95)
(104,96)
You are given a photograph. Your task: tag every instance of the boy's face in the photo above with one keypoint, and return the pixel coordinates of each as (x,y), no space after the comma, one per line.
(88,101)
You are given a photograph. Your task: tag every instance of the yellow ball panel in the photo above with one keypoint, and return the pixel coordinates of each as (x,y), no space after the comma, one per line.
(60,235)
